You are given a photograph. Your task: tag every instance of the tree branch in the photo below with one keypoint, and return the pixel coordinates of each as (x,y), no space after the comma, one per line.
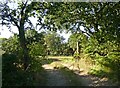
(15,22)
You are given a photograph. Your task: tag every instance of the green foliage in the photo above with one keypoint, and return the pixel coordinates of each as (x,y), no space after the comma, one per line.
(19,17)
(54,43)
(12,72)
(33,36)
(106,55)
(13,63)
(35,44)
(77,37)
(100,38)
(77,56)
(8,47)
(37,49)
(101,25)
(14,75)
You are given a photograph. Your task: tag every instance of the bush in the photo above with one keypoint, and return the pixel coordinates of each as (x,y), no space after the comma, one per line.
(12,74)
(37,49)
(13,63)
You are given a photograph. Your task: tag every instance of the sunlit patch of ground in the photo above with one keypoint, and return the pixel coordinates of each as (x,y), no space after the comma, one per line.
(54,76)
(60,57)
(86,79)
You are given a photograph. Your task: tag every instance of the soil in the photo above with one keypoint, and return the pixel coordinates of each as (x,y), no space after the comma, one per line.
(57,78)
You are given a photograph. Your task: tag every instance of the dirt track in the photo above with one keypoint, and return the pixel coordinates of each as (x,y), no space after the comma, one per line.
(56,78)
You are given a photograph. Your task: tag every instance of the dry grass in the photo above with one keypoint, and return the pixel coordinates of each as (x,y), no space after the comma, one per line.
(85,65)
(56,65)
(60,57)
(83,62)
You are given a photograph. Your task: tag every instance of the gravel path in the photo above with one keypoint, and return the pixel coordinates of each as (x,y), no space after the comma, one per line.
(89,80)
(55,77)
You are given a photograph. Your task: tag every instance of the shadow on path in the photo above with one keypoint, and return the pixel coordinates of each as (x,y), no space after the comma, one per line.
(58,74)
(56,78)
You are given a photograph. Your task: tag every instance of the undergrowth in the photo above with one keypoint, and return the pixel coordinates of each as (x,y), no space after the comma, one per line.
(14,75)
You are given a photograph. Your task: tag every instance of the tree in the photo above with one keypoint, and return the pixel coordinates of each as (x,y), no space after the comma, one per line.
(7,45)
(19,17)
(101,25)
(35,45)
(12,66)
(53,42)
(77,37)
(67,50)
(91,16)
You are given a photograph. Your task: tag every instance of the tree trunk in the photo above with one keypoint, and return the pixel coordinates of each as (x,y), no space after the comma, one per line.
(25,55)
(22,40)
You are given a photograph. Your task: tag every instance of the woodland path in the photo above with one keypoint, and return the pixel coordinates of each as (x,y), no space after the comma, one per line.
(57,78)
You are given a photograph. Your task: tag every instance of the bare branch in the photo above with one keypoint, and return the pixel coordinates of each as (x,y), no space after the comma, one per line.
(15,21)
